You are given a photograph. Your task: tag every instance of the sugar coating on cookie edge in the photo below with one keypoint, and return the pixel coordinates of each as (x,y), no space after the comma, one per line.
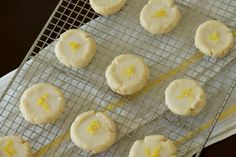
(42,103)
(159,16)
(93,132)
(127,74)
(214,38)
(14,146)
(185,97)
(153,146)
(107,7)
(75,48)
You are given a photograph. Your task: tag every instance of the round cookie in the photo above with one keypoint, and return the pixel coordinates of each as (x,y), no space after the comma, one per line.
(14,146)
(153,146)
(93,132)
(42,103)
(127,74)
(75,48)
(107,7)
(214,38)
(185,97)
(159,16)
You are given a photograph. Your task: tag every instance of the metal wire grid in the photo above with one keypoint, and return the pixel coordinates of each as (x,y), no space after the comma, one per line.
(85,89)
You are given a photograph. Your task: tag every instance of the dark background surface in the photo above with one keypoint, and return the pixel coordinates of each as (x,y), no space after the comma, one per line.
(21,22)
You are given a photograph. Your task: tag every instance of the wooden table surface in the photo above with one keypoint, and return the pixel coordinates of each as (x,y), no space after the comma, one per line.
(21,22)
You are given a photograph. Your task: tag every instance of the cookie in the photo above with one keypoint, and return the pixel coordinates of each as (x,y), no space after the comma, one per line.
(93,132)
(107,7)
(159,16)
(127,74)
(75,48)
(14,146)
(153,146)
(42,103)
(185,97)
(213,38)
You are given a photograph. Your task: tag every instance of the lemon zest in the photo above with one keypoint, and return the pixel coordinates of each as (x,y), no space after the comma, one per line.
(42,101)
(154,153)
(161,13)
(214,36)
(147,151)
(74,46)
(129,71)
(187,92)
(8,149)
(93,127)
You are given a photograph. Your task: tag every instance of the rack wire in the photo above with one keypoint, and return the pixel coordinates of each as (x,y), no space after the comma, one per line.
(169,56)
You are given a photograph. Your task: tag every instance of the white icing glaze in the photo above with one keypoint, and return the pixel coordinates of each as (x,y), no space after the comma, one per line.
(166,147)
(127,84)
(163,23)
(185,97)
(79,57)
(33,111)
(206,44)
(18,146)
(73,36)
(102,138)
(107,7)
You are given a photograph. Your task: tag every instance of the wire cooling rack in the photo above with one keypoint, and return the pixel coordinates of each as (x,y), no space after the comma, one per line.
(169,57)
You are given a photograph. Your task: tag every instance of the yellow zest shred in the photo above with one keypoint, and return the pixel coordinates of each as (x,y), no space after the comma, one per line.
(147,151)
(129,71)
(214,36)
(8,149)
(154,153)
(161,13)
(42,101)
(74,46)
(93,127)
(187,92)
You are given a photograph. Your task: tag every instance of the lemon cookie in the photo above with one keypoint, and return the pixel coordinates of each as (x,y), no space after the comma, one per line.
(127,74)
(159,16)
(153,146)
(75,48)
(14,146)
(107,7)
(93,132)
(185,97)
(214,38)
(42,103)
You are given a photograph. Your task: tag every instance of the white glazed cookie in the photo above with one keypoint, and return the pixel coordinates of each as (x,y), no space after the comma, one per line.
(42,103)
(93,132)
(159,16)
(153,146)
(185,97)
(213,38)
(107,7)
(127,74)
(14,146)
(75,48)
